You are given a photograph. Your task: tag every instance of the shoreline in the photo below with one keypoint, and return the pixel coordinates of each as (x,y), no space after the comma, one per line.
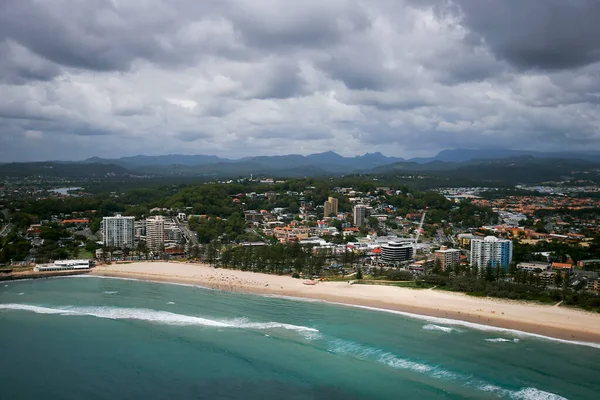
(543,320)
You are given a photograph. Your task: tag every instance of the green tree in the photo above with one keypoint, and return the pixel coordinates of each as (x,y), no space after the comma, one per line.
(359,274)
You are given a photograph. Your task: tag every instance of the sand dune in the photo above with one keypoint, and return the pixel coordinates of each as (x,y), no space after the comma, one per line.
(559,322)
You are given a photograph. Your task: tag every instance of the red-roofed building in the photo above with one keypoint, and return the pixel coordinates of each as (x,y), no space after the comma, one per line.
(77,222)
(375,252)
(562,266)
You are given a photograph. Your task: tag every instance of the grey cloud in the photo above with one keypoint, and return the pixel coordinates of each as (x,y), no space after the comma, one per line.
(235,78)
(544,34)
(192,136)
(283,80)
(18,65)
(310,23)
(293,134)
(99,35)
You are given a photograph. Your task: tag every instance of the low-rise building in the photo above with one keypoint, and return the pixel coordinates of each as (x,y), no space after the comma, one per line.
(447,258)
(63,265)
(533,266)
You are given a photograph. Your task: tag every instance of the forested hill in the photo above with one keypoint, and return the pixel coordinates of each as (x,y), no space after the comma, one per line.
(63,170)
(513,170)
(524,169)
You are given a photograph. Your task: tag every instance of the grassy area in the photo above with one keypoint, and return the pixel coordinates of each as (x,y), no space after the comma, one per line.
(338,278)
(84,254)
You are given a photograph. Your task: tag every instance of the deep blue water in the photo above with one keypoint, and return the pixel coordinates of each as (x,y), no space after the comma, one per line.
(98,338)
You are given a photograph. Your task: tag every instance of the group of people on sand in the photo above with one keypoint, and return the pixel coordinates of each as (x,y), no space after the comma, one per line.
(229,282)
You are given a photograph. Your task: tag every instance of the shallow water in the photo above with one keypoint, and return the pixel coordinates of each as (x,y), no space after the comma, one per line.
(87,337)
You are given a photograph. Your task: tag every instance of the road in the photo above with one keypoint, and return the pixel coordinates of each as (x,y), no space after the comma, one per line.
(441,236)
(6,230)
(189,235)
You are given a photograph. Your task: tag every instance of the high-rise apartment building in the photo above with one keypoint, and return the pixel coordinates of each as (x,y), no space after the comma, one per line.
(491,251)
(155,233)
(360,214)
(118,231)
(330,207)
(448,258)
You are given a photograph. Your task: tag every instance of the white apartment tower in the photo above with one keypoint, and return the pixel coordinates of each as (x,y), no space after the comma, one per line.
(118,231)
(155,233)
(360,213)
(491,251)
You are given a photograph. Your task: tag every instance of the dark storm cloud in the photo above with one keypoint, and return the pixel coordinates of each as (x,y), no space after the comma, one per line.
(544,34)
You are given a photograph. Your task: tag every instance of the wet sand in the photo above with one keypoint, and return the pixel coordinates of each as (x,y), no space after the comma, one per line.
(557,322)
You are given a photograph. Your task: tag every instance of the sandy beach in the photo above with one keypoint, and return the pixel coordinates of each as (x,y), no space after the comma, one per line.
(547,320)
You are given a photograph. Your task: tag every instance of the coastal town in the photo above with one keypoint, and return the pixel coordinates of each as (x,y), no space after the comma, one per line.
(363,231)
(304,200)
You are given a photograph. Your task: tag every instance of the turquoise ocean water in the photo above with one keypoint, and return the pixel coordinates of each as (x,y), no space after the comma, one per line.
(100,338)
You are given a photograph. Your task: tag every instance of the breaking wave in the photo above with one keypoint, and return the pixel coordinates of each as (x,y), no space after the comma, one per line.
(447,329)
(501,340)
(471,325)
(528,393)
(155,316)
(340,346)
(110,292)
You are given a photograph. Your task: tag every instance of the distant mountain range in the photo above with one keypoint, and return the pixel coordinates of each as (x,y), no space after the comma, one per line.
(472,164)
(462,155)
(518,169)
(333,162)
(328,162)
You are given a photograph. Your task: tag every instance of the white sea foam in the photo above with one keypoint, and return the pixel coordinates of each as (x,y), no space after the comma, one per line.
(447,329)
(528,393)
(35,309)
(139,280)
(436,320)
(294,298)
(365,352)
(21,294)
(502,340)
(244,323)
(171,302)
(110,292)
(391,360)
(535,394)
(471,325)
(155,316)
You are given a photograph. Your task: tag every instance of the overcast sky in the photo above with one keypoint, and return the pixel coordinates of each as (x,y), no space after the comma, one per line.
(235,78)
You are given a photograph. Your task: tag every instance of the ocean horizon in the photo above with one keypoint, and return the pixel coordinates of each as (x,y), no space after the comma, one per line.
(95,337)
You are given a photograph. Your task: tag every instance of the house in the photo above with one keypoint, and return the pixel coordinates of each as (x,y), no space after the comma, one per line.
(564,267)
(79,223)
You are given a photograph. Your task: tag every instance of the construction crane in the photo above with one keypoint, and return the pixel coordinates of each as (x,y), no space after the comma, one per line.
(420,228)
